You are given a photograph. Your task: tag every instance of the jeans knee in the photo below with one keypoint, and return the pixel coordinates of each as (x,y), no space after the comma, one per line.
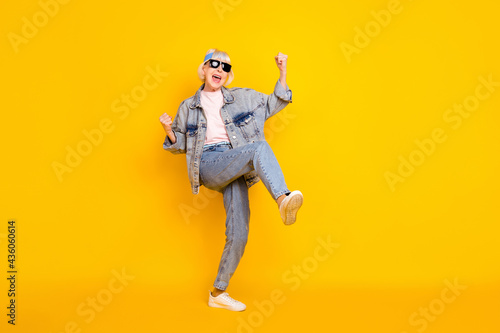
(262,146)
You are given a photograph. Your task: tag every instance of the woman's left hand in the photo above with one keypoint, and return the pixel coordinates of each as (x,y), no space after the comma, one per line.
(281,62)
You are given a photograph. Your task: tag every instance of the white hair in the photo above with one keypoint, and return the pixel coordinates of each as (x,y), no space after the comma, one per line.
(221,55)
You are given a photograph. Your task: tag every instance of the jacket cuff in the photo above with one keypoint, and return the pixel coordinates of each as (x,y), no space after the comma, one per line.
(281,93)
(167,144)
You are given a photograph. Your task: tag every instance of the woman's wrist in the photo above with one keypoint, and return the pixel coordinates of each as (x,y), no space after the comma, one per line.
(171,136)
(282,79)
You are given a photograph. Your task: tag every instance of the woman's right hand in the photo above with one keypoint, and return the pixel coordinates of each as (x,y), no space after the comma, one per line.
(166,122)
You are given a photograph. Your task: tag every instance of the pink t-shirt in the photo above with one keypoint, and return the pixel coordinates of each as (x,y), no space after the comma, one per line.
(212,102)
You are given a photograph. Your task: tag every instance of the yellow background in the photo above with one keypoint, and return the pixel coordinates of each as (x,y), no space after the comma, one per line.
(350,121)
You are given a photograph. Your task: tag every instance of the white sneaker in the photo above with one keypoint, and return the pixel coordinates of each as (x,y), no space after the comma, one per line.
(289,207)
(224,301)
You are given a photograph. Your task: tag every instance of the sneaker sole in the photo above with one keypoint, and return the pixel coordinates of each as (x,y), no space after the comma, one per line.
(215,305)
(292,208)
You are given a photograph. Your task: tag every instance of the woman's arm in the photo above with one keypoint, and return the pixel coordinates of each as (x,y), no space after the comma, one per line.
(282,95)
(175,140)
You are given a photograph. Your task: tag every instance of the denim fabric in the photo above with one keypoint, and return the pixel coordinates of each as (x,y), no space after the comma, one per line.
(222,169)
(244,112)
(221,165)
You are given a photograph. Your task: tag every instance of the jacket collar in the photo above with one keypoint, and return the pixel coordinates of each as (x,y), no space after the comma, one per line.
(228,97)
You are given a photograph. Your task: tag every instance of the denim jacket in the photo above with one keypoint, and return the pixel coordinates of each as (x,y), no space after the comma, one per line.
(243,112)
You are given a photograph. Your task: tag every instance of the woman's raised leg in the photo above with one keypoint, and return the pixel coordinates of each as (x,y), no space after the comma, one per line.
(218,169)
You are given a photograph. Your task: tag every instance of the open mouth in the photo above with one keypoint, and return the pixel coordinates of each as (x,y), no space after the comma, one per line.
(216,78)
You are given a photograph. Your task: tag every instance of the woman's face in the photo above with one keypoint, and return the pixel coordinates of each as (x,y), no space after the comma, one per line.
(214,77)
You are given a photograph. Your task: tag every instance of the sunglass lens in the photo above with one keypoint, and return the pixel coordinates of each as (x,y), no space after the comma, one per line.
(226,67)
(214,63)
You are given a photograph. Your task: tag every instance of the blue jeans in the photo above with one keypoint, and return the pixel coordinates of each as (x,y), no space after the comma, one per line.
(222,169)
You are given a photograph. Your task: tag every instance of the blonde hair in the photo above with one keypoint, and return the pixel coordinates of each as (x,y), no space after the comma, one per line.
(221,55)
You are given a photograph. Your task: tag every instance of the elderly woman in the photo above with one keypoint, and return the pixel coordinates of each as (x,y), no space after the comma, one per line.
(221,131)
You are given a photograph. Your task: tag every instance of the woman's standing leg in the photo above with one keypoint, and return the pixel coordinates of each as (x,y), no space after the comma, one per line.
(237,221)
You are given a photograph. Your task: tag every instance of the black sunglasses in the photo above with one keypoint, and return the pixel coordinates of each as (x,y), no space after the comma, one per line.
(216,63)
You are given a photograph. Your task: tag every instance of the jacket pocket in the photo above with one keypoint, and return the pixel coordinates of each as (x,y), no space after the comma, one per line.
(191,130)
(191,135)
(246,123)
